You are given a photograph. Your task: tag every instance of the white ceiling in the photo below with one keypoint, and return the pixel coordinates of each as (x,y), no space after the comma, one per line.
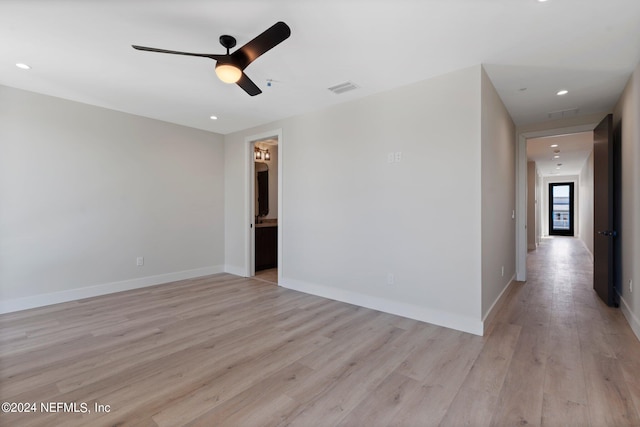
(81,50)
(573,151)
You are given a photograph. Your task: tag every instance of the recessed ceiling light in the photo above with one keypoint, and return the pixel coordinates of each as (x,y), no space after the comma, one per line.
(541,1)
(562,92)
(554,145)
(23,66)
(213,118)
(556,157)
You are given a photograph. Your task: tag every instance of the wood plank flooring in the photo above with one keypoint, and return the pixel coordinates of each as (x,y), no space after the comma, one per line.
(270,275)
(228,351)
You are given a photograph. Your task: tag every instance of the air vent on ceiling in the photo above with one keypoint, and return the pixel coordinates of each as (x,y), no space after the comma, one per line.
(343,87)
(564,113)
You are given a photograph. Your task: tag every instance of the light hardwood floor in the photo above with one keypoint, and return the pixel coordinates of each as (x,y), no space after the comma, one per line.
(228,351)
(270,275)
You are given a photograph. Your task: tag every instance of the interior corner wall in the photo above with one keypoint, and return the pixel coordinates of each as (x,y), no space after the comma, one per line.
(85,191)
(359,226)
(585,212)
(626,115)
(498,196)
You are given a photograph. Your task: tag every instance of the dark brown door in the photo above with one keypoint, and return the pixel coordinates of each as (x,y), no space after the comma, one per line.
(605,233)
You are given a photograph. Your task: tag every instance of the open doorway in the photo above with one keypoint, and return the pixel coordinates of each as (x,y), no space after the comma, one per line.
(266,210)
(265,206)
(554,155)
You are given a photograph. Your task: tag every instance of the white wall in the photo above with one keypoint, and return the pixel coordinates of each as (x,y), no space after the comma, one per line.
(498,193)
(349,218)
(236,209)
(628,111)
(85,190)
(585,212)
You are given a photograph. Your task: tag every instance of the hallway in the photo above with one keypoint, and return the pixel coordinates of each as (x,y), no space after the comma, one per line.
(575,359)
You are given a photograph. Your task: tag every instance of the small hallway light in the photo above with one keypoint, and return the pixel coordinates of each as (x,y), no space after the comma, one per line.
(23,66)
(562,92)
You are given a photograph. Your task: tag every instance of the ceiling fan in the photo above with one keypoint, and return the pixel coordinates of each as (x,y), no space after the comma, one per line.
(230,66)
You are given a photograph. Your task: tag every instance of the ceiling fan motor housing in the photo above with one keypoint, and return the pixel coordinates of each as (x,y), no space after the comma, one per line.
(227,41)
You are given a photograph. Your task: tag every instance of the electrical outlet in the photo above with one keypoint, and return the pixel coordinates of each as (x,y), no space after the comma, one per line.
(140,261)
(391,280)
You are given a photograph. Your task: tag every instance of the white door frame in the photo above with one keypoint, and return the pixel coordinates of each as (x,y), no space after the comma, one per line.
(250,141)
(521,189)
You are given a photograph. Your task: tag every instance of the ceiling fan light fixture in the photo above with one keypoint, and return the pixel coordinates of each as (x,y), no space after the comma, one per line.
(230,66)
(228,73)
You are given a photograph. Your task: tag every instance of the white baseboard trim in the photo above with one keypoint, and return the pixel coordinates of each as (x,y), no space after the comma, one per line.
(497,304)
(423,314)
(236,271)
(25,303)
(587,249)
(634,322)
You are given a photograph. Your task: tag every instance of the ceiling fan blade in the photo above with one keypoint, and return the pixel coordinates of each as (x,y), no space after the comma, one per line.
(153,49)
(248,85)
(270,38)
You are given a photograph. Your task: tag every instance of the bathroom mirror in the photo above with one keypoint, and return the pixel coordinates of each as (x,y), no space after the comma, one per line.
(262,189)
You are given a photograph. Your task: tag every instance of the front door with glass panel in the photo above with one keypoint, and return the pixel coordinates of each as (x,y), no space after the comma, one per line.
(561,218)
